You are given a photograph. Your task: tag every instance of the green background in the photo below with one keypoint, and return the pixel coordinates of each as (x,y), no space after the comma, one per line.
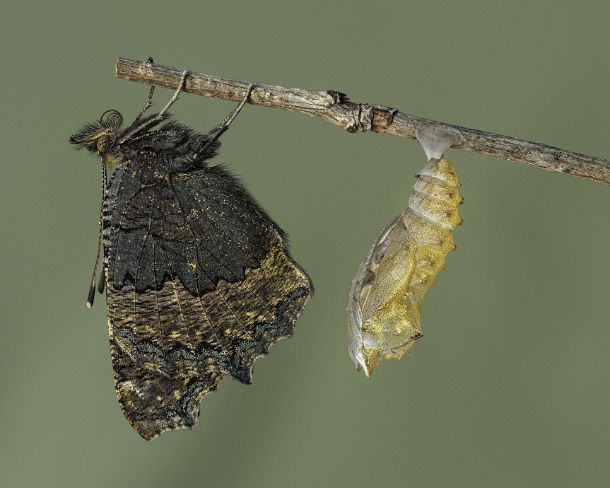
(510,386)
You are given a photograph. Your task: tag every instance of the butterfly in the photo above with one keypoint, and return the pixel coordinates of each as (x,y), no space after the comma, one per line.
(387,292)
(198,278)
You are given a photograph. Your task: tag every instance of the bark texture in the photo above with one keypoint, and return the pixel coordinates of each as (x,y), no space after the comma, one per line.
(336,107)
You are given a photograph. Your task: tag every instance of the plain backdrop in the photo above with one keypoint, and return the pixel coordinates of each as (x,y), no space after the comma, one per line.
(510,386)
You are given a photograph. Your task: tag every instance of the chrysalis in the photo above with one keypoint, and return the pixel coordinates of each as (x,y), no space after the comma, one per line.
(386,294)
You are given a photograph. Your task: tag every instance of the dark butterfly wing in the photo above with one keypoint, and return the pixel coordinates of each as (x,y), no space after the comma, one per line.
(199,284)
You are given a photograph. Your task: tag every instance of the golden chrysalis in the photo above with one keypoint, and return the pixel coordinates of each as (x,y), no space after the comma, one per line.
(401,265)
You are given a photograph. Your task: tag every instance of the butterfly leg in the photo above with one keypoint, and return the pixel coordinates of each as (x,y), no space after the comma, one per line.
(148,104)
(220,129)
(160,116)
(175,95)
(224,125)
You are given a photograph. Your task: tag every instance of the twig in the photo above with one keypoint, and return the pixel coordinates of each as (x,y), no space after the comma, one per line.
(336,108)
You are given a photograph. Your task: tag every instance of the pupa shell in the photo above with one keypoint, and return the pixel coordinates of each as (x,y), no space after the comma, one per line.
(387,292)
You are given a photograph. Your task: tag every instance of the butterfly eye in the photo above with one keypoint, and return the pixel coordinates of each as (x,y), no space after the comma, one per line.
(103,144)
(112,119)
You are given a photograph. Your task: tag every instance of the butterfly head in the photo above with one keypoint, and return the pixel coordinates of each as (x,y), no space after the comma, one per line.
(97,137)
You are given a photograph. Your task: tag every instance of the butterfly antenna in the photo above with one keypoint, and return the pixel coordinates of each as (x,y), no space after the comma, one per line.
(91,294)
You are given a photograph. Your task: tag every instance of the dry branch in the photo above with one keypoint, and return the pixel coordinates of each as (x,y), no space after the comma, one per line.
(336,108)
